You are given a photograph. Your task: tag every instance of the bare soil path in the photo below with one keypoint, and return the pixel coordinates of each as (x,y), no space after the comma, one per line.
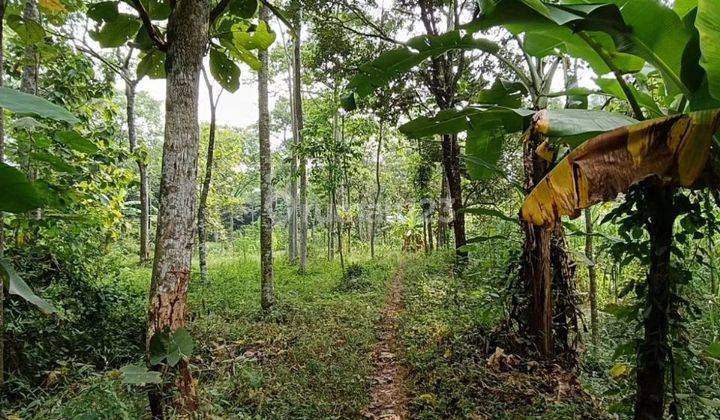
(389,395)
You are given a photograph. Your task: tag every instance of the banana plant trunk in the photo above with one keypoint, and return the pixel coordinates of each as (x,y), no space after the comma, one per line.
(653,352)
(187,36)
(547,307)
(536,269)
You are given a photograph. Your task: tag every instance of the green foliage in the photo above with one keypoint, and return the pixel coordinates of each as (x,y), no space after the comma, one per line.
(23,103)
(224,70)
(140,375)
(29,31)
(17,286)
(171,346)
(18,193)
(354,278)
(394,63)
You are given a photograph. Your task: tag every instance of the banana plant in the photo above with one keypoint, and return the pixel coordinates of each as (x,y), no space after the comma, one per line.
(675,150)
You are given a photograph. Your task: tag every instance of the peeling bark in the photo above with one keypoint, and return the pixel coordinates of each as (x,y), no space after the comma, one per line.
(187,40)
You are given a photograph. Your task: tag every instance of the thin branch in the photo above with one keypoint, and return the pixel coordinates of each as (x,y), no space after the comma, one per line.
(280,16)
(152,33)
(218,10)
(634,104)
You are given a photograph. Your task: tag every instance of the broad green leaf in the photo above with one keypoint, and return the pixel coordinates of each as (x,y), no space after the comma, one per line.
(140,375)
(484,141)
(683,7)
(224,70)
(116,32)
(693,74)
(18,194)
(396,62)
(152,65)
(554,40)
(28,124)
(29,31)
(157,9)
(708,25)
(243,8)
(103,11)
(24,103)
(54,161)
(17,286)
(481,211)
(649,30)
(453,121)
(713,350)
(75,141)
(574,126)
(259,39)
(501,93)
(159,347)
(171,347)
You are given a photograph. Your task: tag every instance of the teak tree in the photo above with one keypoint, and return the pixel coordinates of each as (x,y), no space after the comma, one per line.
(177,54)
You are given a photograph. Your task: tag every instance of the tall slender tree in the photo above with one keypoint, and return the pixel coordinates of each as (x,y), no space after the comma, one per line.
(207,181)
(267,299)
(302,161)
(187,37)
(2,221)
(373,221)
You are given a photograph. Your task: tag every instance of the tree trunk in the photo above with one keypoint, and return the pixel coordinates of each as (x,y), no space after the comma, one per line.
(451,164)
(267,299)
(443,218)
(339,232)
(592,276)
(302,164)
(30,72)
(373,220)
(425,236)
(536,270)
(187,36)
(431,246)
(29,84)
(2,221)
(130,87)
(331,228)
(205,190)
(292,208)
(653,353)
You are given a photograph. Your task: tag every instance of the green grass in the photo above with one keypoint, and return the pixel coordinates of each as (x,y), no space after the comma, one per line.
(445,329)
(310,358)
